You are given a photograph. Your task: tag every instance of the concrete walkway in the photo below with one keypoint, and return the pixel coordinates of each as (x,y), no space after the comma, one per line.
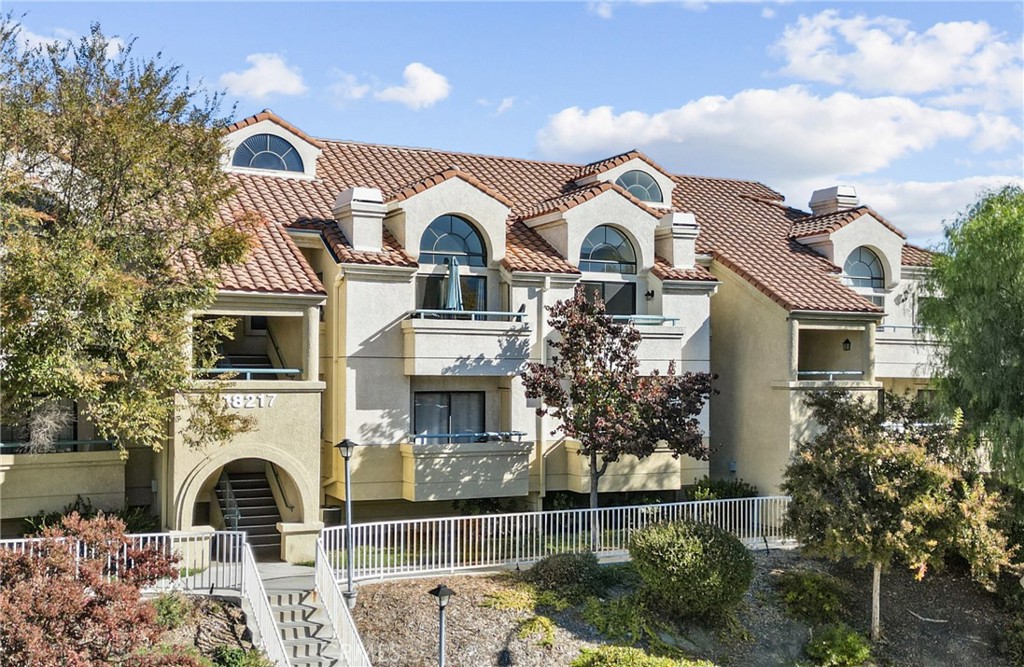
(301,619)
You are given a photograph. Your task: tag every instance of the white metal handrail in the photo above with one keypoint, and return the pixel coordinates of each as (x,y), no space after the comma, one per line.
(484,436)
(262,615)
(417,546)
(483,315)
(831,374)
(353,653)
(644,319)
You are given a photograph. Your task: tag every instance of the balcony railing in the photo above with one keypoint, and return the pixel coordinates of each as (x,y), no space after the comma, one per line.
(645,320)
(248,373)
(60,447)
(485,436)
(829,375)
(473,315)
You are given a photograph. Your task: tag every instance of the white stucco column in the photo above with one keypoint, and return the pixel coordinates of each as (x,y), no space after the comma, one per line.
(794,349)
(311,344)
(869,352)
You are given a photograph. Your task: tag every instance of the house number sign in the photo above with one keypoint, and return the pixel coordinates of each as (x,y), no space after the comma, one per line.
(249,401)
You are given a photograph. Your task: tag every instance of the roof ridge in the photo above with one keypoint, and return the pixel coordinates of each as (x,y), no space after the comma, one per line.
(428,149)
(267,114)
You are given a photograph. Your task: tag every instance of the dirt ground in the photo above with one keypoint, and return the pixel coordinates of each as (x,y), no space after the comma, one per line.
(214,622)
(958,626)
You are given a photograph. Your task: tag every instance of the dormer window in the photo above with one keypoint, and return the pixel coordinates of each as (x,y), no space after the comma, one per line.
(641,185)
(607,250)
(267,151)
(863,269)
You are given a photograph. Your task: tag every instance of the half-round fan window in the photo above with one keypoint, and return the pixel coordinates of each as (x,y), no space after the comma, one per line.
(863,269)
(449,236)
(607,250)
(267,151)
(641,185)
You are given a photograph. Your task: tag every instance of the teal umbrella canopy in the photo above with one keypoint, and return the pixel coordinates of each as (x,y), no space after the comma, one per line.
(453,298)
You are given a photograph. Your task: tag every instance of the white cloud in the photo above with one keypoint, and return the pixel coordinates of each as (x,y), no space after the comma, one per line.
(602,9)
(963,63)
(765,134)
(31,40)
(423,88)
(267,75)
(505,105)
(767,13)
(921,208)
(347,87)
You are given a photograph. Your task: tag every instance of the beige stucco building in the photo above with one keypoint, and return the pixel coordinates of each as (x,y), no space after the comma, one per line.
(348,327)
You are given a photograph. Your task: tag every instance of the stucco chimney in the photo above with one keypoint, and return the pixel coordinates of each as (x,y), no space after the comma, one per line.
(360,214)
(675,237)
(834,199)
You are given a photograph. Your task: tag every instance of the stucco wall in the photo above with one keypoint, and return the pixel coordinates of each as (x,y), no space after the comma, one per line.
(750,351)
(32,483)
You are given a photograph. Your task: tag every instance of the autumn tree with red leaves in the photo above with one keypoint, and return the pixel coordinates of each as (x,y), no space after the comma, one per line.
(74,599)
(592,385)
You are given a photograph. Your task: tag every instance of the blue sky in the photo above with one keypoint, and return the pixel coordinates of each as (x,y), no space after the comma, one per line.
(918,105)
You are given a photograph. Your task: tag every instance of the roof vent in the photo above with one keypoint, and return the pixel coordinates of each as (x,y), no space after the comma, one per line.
(834,199)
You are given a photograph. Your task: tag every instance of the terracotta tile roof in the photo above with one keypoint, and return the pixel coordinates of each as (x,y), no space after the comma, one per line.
(914,256)
(391,253)
(274,265)
(827,223)
(267,114)
(615,161)
(574,198)
(452,172)
(526,251)
(745,227)
(665,271)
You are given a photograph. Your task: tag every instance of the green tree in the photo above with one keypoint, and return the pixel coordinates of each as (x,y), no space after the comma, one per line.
(975,309)
(593,387)
(110,187)
(880,486)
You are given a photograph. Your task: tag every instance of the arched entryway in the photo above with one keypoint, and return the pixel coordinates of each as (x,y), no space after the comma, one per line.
(259,492)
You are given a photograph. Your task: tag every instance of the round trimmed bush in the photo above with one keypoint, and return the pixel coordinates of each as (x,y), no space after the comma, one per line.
(572,575)
(691,568)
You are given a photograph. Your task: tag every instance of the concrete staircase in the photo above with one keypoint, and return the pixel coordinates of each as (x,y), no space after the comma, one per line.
(307,633)
(259,515)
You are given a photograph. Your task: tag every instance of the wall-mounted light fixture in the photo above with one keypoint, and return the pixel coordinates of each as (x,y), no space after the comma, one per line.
(847,345)
(649,294)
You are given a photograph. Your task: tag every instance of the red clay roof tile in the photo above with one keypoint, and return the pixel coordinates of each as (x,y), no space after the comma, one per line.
(744,225)
(914,256)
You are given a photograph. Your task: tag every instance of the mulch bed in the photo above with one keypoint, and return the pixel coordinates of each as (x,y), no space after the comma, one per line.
(398,621)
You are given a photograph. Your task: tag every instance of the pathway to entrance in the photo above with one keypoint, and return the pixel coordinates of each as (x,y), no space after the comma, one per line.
(301,619)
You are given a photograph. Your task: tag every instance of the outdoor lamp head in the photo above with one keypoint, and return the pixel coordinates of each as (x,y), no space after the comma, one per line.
(443,594)
(846,345)
(345,448)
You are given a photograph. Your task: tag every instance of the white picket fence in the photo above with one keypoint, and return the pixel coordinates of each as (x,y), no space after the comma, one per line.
(255,594)
(352,649)
(385,549)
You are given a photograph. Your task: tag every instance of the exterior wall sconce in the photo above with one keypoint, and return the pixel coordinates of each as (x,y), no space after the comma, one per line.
(847,345)
(649,294)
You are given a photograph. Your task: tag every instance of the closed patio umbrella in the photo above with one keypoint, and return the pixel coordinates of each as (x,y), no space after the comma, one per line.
(453,299)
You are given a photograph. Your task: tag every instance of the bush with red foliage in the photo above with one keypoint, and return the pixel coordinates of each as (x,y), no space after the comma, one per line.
(74,600)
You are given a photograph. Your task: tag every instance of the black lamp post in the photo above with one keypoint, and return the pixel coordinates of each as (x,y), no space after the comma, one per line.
(345,448)
(443,594)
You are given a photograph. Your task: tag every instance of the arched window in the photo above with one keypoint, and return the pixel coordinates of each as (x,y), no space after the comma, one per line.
(863,269)
(607,250)
(641,185)
(267,151)
(451,236)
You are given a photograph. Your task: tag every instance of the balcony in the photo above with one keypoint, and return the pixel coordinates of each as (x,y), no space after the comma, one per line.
(452,466)
(661,340)
(903,351)
(31,483)
(465,342)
